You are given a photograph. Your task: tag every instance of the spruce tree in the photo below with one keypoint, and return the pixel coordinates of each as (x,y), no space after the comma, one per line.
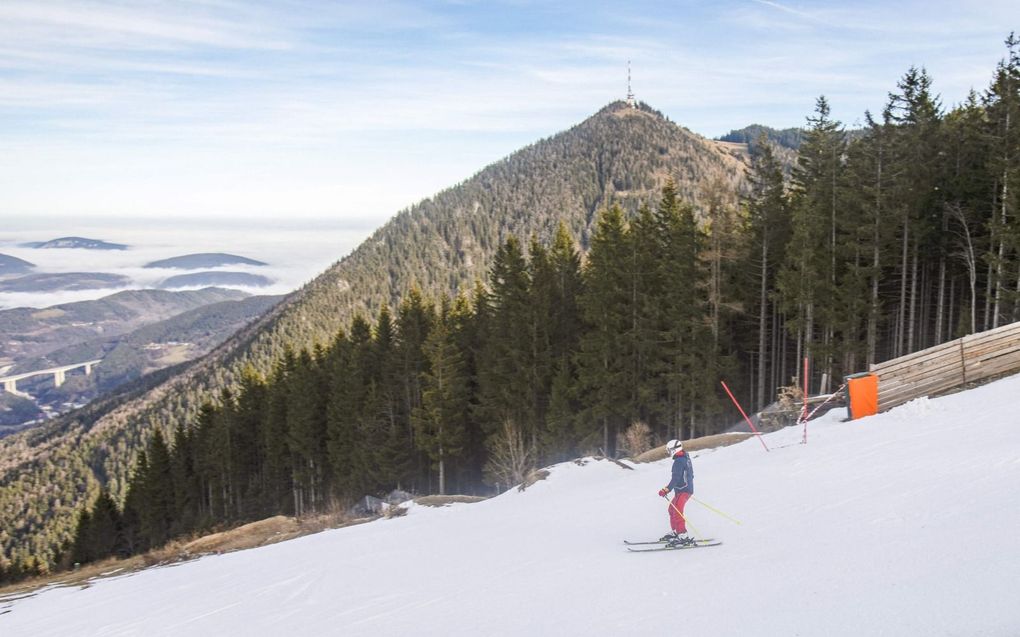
(157,506)
(769,227)
(506,357)
(917,195)
(1002,103)
(690,364)
(415,319)
(442,419)
(602,360)
(808,275)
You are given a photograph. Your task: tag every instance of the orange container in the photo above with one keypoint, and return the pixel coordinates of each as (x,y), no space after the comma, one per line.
(863,390)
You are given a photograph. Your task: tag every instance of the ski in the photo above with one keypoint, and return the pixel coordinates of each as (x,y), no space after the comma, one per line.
(631,543)
(701,544)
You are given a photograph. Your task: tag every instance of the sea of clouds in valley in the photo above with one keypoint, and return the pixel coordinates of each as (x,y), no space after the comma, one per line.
(295,251)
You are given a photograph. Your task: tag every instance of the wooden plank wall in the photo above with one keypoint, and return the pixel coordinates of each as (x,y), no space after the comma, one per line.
(949,365)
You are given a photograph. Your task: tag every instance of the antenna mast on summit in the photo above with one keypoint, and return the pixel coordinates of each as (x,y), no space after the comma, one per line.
(630,94)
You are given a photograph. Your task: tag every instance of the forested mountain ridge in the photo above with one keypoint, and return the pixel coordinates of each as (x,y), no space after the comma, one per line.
(790,138)
(447,242)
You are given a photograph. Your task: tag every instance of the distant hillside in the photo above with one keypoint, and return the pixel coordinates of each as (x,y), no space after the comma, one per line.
(76,243)
(27,333)
(203,260)
(215,278)
(56,282)
(441,244)
(14,412)
(126,357)
(13,265)
(790,138)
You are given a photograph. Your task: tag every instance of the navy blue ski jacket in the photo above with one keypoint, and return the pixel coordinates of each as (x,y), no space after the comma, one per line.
(683,475)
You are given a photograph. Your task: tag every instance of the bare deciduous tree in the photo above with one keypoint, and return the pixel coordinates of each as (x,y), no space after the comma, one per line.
(510,455)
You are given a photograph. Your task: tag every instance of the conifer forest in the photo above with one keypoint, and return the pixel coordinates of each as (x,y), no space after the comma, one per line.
(880,241)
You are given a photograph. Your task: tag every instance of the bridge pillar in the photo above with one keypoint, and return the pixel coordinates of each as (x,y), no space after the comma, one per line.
(58,377)
(88,369)
(11,386)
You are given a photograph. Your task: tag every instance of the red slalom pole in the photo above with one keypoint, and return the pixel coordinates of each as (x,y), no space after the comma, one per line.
(804,414)
(746,419)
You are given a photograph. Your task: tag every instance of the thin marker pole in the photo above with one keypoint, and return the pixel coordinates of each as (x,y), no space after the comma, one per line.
(804,414)
(746,419)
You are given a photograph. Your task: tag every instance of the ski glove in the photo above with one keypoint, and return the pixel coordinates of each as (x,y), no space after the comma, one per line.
(663,491)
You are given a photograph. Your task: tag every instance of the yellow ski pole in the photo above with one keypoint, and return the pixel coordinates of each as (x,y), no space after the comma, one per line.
(696,533)
(712,508)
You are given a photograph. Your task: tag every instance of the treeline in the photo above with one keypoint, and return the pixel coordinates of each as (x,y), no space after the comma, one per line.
(546,362)
(901,239)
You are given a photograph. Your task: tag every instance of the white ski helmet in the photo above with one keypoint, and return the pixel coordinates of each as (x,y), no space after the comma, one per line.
(672,447)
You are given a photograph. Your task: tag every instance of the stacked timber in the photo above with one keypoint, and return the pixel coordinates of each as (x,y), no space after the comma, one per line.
(947,366)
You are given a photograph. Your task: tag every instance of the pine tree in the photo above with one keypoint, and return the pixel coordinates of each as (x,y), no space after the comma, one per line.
(870,219)
(353,414)
(648,290)
(157,505)
(916,190)
(186,485)
(808,275)
(688,345)
(415,320)
(250,421)
(81,549)
(274,448)
(564,335)
(1002,103)
(507,350)
(442,419)
(967,184)
(345,390)
(602,361)
(105,537)
(306,433)
(769,227)
(134,502)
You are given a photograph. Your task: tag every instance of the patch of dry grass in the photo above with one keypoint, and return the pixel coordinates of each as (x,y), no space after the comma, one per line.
(532,478)
(695,444)
(443,500)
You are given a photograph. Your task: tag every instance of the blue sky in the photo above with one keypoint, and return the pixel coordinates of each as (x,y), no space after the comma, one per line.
(352,111)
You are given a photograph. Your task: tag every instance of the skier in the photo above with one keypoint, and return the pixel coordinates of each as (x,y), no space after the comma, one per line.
(682,484)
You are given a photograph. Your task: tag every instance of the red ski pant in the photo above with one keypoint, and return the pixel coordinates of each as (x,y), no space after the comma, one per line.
(676,511)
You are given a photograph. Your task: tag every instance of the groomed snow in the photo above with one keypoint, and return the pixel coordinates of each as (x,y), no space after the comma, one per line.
(904,523)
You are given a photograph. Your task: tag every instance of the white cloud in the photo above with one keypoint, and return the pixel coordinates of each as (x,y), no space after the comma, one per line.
(216,107)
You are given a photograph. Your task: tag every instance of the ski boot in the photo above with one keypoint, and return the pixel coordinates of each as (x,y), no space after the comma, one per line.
(681,541)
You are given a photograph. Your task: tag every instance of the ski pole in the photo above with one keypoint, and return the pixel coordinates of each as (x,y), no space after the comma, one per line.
(682,517)
(712,508)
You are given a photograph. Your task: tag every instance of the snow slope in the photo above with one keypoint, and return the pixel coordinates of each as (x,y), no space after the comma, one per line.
(904,523)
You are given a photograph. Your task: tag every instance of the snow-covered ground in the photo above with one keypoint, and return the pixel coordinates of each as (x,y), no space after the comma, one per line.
(905,523)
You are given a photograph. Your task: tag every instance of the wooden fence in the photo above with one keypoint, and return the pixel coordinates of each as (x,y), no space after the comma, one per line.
(943,367)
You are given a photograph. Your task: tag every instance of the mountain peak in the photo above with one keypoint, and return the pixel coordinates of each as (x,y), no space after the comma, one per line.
(621,155)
